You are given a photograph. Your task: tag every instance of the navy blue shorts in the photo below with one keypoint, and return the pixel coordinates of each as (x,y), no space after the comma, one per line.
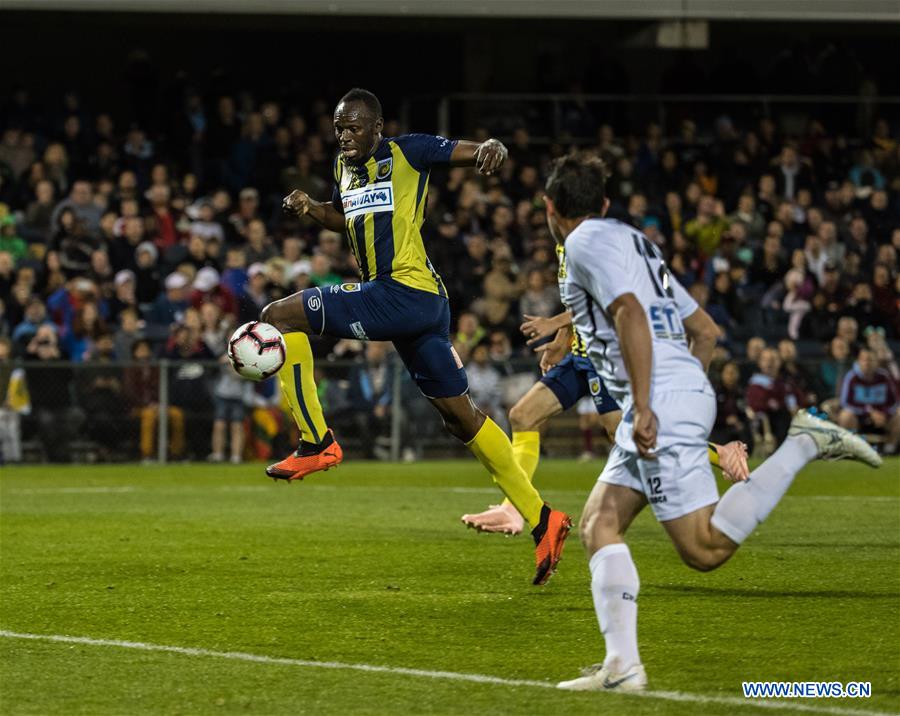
(573,378)
(416,322)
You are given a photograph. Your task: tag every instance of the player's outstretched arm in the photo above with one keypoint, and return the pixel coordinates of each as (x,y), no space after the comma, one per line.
(322,212)
(536,328)
(486,157)
(630,321)
(553,352)
(702,334)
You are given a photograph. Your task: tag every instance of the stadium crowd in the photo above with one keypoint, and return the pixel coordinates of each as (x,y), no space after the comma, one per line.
(119,244)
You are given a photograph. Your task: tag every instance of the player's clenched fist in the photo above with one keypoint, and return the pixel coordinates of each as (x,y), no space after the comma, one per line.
(644,432)
(489,156)
(297,202)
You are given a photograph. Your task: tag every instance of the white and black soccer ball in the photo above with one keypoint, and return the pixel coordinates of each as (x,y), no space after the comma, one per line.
(256,350)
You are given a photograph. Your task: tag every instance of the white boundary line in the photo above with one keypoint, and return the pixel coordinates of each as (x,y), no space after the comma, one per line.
(426,674)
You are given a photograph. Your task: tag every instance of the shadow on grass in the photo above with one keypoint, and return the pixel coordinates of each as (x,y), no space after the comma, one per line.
(762,593)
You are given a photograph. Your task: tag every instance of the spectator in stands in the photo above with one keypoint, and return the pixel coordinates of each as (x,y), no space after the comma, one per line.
(207,288)
(127,334)
(87,326)
(833,368)
(14,401)
(35,316)
(539,299)
(82,206)
(188,383)
(731,415)
(484,382)
(705,231)
(876,342)
(141,390)
(848,329)
(747,214)
(124,296)
(170,306)
(10,241)
(72,244)
(792,174)
(321,273)
(100,395)
(770,396)
(769,265)
(231,396)
(795,375)
(371,393)
(57,418)
(869,400)
(502,288)
(752,351)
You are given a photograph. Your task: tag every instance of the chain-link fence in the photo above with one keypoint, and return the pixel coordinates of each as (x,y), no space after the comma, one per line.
(162,411)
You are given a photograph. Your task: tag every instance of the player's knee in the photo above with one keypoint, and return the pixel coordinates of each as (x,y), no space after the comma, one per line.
(519,419)
(269,315)
(703,560)
(597,529)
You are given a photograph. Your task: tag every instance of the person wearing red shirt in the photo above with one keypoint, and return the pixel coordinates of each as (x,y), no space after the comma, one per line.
(207,287)
(869,400)
(769,394)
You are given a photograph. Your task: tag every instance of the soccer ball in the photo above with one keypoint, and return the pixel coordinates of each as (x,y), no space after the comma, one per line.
(256,350)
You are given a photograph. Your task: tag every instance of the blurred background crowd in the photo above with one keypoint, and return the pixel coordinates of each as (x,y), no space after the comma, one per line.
(125,245)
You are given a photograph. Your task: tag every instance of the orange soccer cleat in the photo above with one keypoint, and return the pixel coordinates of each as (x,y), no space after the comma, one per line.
(550,538)
(304,461)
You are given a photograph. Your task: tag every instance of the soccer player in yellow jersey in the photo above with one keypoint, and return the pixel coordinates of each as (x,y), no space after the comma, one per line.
(380,188)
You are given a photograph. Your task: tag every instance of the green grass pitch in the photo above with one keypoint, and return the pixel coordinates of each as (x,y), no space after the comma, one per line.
(368,564)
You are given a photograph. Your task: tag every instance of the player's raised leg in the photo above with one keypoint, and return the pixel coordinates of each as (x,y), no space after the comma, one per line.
(492,447)
(526,417)
(318,450)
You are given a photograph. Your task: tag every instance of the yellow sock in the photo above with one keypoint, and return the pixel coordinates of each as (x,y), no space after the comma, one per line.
(298,386)
(526,447)
(527,451)
(713,455)
(494,450)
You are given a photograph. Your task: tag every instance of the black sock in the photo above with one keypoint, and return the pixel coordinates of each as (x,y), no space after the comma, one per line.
(307,448)
(538,532)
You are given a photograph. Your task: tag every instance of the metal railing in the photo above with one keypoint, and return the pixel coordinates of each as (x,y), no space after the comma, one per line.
(165,410)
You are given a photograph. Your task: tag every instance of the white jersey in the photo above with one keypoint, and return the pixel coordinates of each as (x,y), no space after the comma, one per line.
(606,259)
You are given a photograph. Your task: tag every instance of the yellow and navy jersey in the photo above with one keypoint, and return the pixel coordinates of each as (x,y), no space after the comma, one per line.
(383,201)
(578,346)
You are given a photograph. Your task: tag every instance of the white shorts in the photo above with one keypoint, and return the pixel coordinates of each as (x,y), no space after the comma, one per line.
(680,480)
(586,406)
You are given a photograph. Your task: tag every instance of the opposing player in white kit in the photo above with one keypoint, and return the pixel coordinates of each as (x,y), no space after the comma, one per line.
(651,344)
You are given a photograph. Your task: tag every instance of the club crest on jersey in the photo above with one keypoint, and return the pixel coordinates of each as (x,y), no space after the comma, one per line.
(383,168)
(594,385)
(371,199)
(349,287)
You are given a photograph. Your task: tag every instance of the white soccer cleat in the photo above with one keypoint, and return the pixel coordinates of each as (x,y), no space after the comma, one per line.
(600,678)
(833,441)
(499,518)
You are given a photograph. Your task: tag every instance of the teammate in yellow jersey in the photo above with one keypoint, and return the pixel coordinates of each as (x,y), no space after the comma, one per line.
(379,198)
